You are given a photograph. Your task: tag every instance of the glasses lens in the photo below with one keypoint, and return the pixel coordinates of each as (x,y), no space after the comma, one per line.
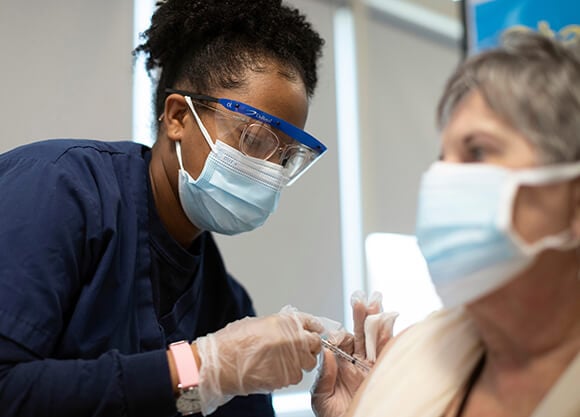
(295,159)
(262,141)
(229,126)
(258,141)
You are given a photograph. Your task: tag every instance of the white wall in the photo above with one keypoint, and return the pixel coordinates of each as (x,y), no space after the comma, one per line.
(407,69)
(65,70)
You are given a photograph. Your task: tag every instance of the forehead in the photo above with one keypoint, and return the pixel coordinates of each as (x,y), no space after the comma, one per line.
(472,115)
(472,112)
(473,121)
(273,93)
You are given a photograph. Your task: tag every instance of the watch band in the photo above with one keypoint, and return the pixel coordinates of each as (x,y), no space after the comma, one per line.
(185,364)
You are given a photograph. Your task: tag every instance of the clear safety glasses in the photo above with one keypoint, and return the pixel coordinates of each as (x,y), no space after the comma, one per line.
(261,135)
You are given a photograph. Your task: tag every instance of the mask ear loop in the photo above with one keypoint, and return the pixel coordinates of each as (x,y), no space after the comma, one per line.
(204,131)
(578,258)
(178,152)
(537,176)
(577,201)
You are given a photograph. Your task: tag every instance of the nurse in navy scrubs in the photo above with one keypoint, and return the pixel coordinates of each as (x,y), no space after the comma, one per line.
(113,295)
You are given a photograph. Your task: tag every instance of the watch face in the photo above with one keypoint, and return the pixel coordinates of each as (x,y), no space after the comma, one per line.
(191,394)
(189,401)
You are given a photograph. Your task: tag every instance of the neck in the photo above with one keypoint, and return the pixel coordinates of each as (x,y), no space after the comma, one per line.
(530,330)
(541,315)
(164,184)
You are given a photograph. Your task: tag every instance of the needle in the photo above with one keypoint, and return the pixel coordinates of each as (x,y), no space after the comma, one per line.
(346,356)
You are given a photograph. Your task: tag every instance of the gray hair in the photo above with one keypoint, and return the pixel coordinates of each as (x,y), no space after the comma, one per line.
(533,83)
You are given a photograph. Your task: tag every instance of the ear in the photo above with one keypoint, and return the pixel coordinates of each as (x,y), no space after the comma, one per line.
(174,116)
(576,208)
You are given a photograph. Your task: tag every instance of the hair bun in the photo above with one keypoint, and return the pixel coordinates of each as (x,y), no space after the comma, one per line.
(177,25)
(210,43)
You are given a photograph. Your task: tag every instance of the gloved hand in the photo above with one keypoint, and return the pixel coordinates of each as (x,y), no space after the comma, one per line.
(338,379)
(256,355)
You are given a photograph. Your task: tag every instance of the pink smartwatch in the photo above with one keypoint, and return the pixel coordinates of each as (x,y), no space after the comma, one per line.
(189,401)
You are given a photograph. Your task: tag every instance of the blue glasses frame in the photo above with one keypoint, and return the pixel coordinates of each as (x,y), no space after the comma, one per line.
(245,109)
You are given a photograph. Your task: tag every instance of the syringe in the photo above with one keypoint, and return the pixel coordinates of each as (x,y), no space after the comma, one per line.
(342,354)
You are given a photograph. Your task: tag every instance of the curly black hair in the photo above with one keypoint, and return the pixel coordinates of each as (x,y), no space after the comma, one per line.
(209,44)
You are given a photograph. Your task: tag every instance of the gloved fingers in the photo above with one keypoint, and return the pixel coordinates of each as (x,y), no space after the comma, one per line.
(375,303)
(336,337)
(309,333)
(304,330)
(382,341)
(385,333)
(361,308)
(309,361)
(373,309)
(310,323)
(343,340)
(375,300)
(303,320)
(359,313)
(312,340)
(378,331)
(347,344)
(288,309)
(358,297)
(327,375)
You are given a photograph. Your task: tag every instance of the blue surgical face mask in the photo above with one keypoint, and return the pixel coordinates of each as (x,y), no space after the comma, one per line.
(465,229)
(234,193)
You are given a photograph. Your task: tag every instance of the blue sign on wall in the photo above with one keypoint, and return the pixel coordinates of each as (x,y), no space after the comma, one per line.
(487,20)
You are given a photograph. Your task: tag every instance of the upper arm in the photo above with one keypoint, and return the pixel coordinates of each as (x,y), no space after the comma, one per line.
(44,221)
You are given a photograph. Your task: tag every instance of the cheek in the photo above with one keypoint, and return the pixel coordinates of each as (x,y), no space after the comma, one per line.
(542,211)
(198,162)
(194,152)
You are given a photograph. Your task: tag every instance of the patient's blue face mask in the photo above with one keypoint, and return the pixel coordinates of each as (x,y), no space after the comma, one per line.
(465,230)
(234,193)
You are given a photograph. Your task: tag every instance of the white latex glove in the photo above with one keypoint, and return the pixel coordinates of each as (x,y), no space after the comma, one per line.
(256,355)
(338,379)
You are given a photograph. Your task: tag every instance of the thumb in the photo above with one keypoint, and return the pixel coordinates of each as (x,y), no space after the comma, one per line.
(327,375)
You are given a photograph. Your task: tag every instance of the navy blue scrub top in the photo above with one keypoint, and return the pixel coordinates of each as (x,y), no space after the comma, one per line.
(93,288)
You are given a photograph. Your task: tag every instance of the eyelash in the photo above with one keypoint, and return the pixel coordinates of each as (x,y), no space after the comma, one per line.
(476,150)
(476,153)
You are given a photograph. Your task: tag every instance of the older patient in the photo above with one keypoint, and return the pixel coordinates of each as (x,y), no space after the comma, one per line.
(499,225)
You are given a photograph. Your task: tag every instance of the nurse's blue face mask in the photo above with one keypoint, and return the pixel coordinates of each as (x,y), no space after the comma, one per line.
(237,190)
